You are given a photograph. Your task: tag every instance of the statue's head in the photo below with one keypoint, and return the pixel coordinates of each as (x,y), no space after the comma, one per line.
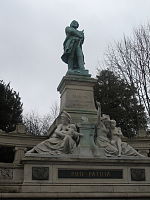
(106,120)
(113,123)
(119,131)
(65,117)
(74,24)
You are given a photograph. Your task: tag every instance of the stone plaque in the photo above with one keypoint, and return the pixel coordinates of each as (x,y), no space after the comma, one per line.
(80,99)
(6,173)
(137,174)
(40,173)
(91,173)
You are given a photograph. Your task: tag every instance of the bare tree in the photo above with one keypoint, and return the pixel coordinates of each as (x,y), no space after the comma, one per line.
(130,59)
(54,111)
(39,125)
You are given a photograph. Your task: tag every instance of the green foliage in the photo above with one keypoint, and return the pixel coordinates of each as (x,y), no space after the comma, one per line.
(10,108)
(119,101)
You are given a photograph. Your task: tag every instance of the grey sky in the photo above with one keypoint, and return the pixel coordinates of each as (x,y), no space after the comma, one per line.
(32,34)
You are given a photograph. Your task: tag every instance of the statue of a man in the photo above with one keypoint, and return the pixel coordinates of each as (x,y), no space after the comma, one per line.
(73,54)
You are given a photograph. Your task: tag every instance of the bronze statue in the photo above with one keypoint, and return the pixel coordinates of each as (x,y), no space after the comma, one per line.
(73,54)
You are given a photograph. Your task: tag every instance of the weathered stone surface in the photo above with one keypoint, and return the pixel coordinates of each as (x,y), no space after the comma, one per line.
(6,173)
(137,174)
(19,154)
(40,173)
(77,97)
(62,141)
(142,144)
(77,187)
(87,186)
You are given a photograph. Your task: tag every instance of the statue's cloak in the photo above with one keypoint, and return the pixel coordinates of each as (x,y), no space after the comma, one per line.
(69,44)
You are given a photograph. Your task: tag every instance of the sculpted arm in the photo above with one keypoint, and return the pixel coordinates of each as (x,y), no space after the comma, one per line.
(99,113)
(74,133)
(74,32)
(59,131)
(119,146)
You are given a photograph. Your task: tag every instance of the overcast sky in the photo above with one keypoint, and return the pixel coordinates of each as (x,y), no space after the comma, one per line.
(32,34)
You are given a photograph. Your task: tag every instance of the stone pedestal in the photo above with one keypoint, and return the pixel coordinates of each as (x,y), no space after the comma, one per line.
(87,147)
(60,177)
(77,97)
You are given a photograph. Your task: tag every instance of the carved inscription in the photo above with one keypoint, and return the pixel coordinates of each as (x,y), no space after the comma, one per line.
(6,173)
(137,174)
(40,173)
(80,99)
(91,173)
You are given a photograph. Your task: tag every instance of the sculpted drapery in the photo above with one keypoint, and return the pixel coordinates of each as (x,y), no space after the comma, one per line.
(109,137)
(63,140)
(73,54)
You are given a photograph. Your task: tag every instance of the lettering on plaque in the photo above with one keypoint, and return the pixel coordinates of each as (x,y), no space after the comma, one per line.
(6,173)
(80,99)
(91,173)
(137,174)
(40,173)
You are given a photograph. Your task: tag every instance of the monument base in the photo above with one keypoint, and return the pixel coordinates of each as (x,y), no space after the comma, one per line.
(87,177)
(61,177)
(77,97)
(80,72)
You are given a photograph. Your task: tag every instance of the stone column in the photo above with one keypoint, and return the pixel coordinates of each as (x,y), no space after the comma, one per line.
(77,97)
(19,154)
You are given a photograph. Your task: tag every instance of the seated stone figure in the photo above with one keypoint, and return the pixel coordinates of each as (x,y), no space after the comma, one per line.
(63,140)
(108,136)
(116,146)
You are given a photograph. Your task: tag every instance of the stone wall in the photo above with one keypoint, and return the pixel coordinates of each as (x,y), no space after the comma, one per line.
(141,143)
(20,141)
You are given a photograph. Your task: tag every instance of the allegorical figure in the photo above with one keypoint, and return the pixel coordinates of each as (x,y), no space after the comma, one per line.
(108,136)
(63,140)
(116,146)
(102,129)
(73,54)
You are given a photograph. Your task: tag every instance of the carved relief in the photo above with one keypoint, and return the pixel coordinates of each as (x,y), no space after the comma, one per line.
(40,173)
(137,174)
(6,173)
